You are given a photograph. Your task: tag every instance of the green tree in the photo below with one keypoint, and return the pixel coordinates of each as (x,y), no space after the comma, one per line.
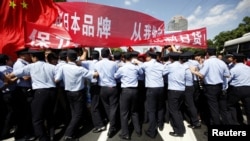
(243,27)
(210,43)
(116,50)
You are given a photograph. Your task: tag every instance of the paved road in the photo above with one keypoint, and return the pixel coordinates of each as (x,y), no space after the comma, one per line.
(85,134)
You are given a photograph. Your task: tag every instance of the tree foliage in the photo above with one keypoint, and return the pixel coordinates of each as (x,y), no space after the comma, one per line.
(243,27)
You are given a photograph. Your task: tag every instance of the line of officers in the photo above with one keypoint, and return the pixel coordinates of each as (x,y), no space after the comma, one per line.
(133,88)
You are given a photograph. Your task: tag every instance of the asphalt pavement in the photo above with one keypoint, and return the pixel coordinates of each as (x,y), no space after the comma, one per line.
(85,134)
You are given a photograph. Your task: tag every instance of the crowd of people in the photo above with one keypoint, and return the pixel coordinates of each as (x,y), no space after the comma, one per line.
(42,90)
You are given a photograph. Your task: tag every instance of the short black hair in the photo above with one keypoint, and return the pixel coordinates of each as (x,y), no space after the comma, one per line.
(151,54)
(22,51)
(95,55)
(40,56)
(134,53)
(3,59)
(165,57)
(63,55)
(72,55)
(52,56)
(240,57)
(127,56)
(174,56)
(105,52)
(117,55)
(211,51)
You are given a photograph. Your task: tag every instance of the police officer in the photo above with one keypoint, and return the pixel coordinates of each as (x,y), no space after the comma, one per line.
(23,98)
(62,109)
(73,78)
(165,61)
(96,105)
(2,118)
(42,106)
(189,90)
(108,92)
(154,96)
(213,72)
(129,97)
(240,83)
(176,89)
(143,117)
(7,93)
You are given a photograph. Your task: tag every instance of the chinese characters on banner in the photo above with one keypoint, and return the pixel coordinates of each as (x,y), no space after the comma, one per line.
(191,38)
(81,24)
(39,36)
(94,25)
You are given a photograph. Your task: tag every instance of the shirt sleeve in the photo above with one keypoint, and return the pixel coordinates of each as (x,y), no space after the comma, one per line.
(204,69)
(59,74)
(140,71)
(165,70)
(25,71)
(86,73)
(232,75)
(226,72)
(118,73)
(85,64)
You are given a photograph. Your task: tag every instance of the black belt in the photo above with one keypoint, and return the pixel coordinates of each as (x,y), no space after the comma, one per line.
(108,86)
(220,84)
(130,88)
(96,83)
(45,89)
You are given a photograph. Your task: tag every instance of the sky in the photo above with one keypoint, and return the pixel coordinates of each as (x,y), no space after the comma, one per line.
(215,15)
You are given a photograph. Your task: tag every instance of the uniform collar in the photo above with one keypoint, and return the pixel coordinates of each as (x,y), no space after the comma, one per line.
(152,60)
(71,63)
(62,61)
(212,56)
(23,61)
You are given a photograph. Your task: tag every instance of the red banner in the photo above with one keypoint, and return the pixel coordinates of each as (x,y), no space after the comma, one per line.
(80,23)
(92,24)
(191,38)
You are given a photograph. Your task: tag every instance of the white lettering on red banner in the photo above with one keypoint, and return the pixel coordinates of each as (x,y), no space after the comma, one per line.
(88,29)
(40,39)
(47,40)
(43,39)
(108,27)
(197,37)
(66,21)
(103,27)
(136,35)
(190,38)
(75,26)
(185,38)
